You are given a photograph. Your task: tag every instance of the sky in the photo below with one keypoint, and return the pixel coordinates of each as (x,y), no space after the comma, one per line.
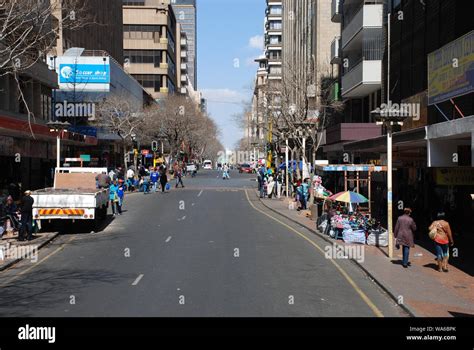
(229,38)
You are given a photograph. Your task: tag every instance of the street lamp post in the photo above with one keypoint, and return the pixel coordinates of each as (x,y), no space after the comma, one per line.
(59,128)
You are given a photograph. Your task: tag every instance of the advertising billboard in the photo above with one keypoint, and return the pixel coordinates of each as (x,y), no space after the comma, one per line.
(78,73)
(451,70)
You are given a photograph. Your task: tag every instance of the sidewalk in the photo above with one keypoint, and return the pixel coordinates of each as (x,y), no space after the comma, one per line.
(12,251)
(423,290)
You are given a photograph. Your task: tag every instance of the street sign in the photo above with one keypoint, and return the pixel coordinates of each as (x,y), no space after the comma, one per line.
(145,152)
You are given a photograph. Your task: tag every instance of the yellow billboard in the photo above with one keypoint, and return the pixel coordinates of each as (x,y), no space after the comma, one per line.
(451,70)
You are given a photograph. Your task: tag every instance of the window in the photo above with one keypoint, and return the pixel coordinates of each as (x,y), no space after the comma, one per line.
(141,32)
(275,39)
(149,80)
(276,10)
(274,55)
(275,25)
(275,70)
(133,2)
(144,56)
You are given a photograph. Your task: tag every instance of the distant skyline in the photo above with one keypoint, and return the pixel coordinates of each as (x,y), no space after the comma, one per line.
(230,36)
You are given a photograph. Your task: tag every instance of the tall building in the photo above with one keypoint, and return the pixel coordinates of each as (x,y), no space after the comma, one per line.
(104,32)
(186,15)
(273,39)
(150,45)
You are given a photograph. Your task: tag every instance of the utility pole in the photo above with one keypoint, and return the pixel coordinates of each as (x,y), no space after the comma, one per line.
(389,154)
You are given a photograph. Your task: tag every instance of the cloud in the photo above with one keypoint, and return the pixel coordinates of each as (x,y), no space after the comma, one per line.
(256,42)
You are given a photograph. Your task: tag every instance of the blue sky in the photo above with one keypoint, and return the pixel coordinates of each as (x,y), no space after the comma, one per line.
(230,37)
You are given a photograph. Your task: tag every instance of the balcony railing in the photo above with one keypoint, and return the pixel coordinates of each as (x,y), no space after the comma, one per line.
(369,16)
(336,11)
(363,79)
(336,51)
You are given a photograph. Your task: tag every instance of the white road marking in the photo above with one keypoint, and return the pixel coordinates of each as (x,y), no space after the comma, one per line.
(168,239)
(137,280)
(199,195)
(184,217)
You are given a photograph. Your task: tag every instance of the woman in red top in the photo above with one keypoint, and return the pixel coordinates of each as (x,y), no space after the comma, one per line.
(443,239)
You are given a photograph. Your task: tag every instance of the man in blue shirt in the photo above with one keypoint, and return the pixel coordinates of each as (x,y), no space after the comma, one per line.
(154,177)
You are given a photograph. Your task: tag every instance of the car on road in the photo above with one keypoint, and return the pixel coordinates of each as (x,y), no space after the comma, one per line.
(245,168)
(207,165)
(190,167)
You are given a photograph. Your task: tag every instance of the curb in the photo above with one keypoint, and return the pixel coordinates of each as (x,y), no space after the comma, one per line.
(17,260)
(406,308)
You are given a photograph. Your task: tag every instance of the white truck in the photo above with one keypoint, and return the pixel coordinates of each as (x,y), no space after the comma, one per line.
(75,196)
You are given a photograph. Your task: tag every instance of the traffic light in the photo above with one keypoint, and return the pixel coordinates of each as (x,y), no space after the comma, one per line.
(154,146)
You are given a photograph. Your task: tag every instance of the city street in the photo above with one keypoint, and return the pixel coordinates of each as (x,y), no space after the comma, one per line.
(210,249)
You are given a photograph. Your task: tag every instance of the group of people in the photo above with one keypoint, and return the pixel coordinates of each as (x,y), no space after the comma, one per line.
(439,231)
(18,218)
(270,183)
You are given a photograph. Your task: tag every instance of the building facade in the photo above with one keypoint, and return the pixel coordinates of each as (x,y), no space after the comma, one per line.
(150,45)
(102,29)
(186,15)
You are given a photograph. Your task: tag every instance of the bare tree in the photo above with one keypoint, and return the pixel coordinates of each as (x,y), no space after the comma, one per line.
(123,117)
(29,30)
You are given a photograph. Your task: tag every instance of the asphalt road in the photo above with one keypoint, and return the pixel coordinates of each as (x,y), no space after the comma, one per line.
(210,249)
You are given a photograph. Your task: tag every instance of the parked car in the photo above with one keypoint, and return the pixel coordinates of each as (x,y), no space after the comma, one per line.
(245,168)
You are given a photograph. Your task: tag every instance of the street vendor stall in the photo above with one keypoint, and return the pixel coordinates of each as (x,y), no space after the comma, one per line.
(355,177)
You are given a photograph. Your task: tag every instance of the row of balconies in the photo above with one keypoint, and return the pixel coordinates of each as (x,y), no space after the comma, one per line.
(364,77)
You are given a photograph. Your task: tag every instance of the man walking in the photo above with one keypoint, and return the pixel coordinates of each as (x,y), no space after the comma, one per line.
(154,176)
(163,178)
(26,217)
(103,180)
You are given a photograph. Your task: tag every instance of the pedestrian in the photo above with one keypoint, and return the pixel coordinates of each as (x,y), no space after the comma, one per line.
(121,196)
(225,172)
(112,175)
(270,186)
(404,233)
(440,233)
(154,177)
(26,217)
(114,198)
(130,174)
(102,180)
(179,177)
(163,179)
(261,180)
(10,211)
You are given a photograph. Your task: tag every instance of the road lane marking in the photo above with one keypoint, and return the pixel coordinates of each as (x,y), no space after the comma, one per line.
(168,239)
(184,217)
(199,195)
(39,262)
(359,291)
(137,280)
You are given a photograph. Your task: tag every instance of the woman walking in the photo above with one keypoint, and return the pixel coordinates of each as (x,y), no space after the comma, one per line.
(440,233)
(404,233)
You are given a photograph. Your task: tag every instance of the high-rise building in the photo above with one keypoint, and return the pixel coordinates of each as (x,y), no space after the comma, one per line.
(186,15)
(273,39)
(150,37)
(104,32)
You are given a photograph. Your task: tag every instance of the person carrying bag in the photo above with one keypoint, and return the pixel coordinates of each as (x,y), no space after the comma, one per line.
(440,233)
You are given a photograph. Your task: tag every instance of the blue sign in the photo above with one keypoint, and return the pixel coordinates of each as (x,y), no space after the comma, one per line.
(84,73)
(84,130)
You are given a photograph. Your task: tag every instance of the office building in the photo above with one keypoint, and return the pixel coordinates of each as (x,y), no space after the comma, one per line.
(186,15)
(150,45)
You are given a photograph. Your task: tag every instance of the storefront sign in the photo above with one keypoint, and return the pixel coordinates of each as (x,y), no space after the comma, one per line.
(455,176)
(421,100)
(451,70)
(83,73)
